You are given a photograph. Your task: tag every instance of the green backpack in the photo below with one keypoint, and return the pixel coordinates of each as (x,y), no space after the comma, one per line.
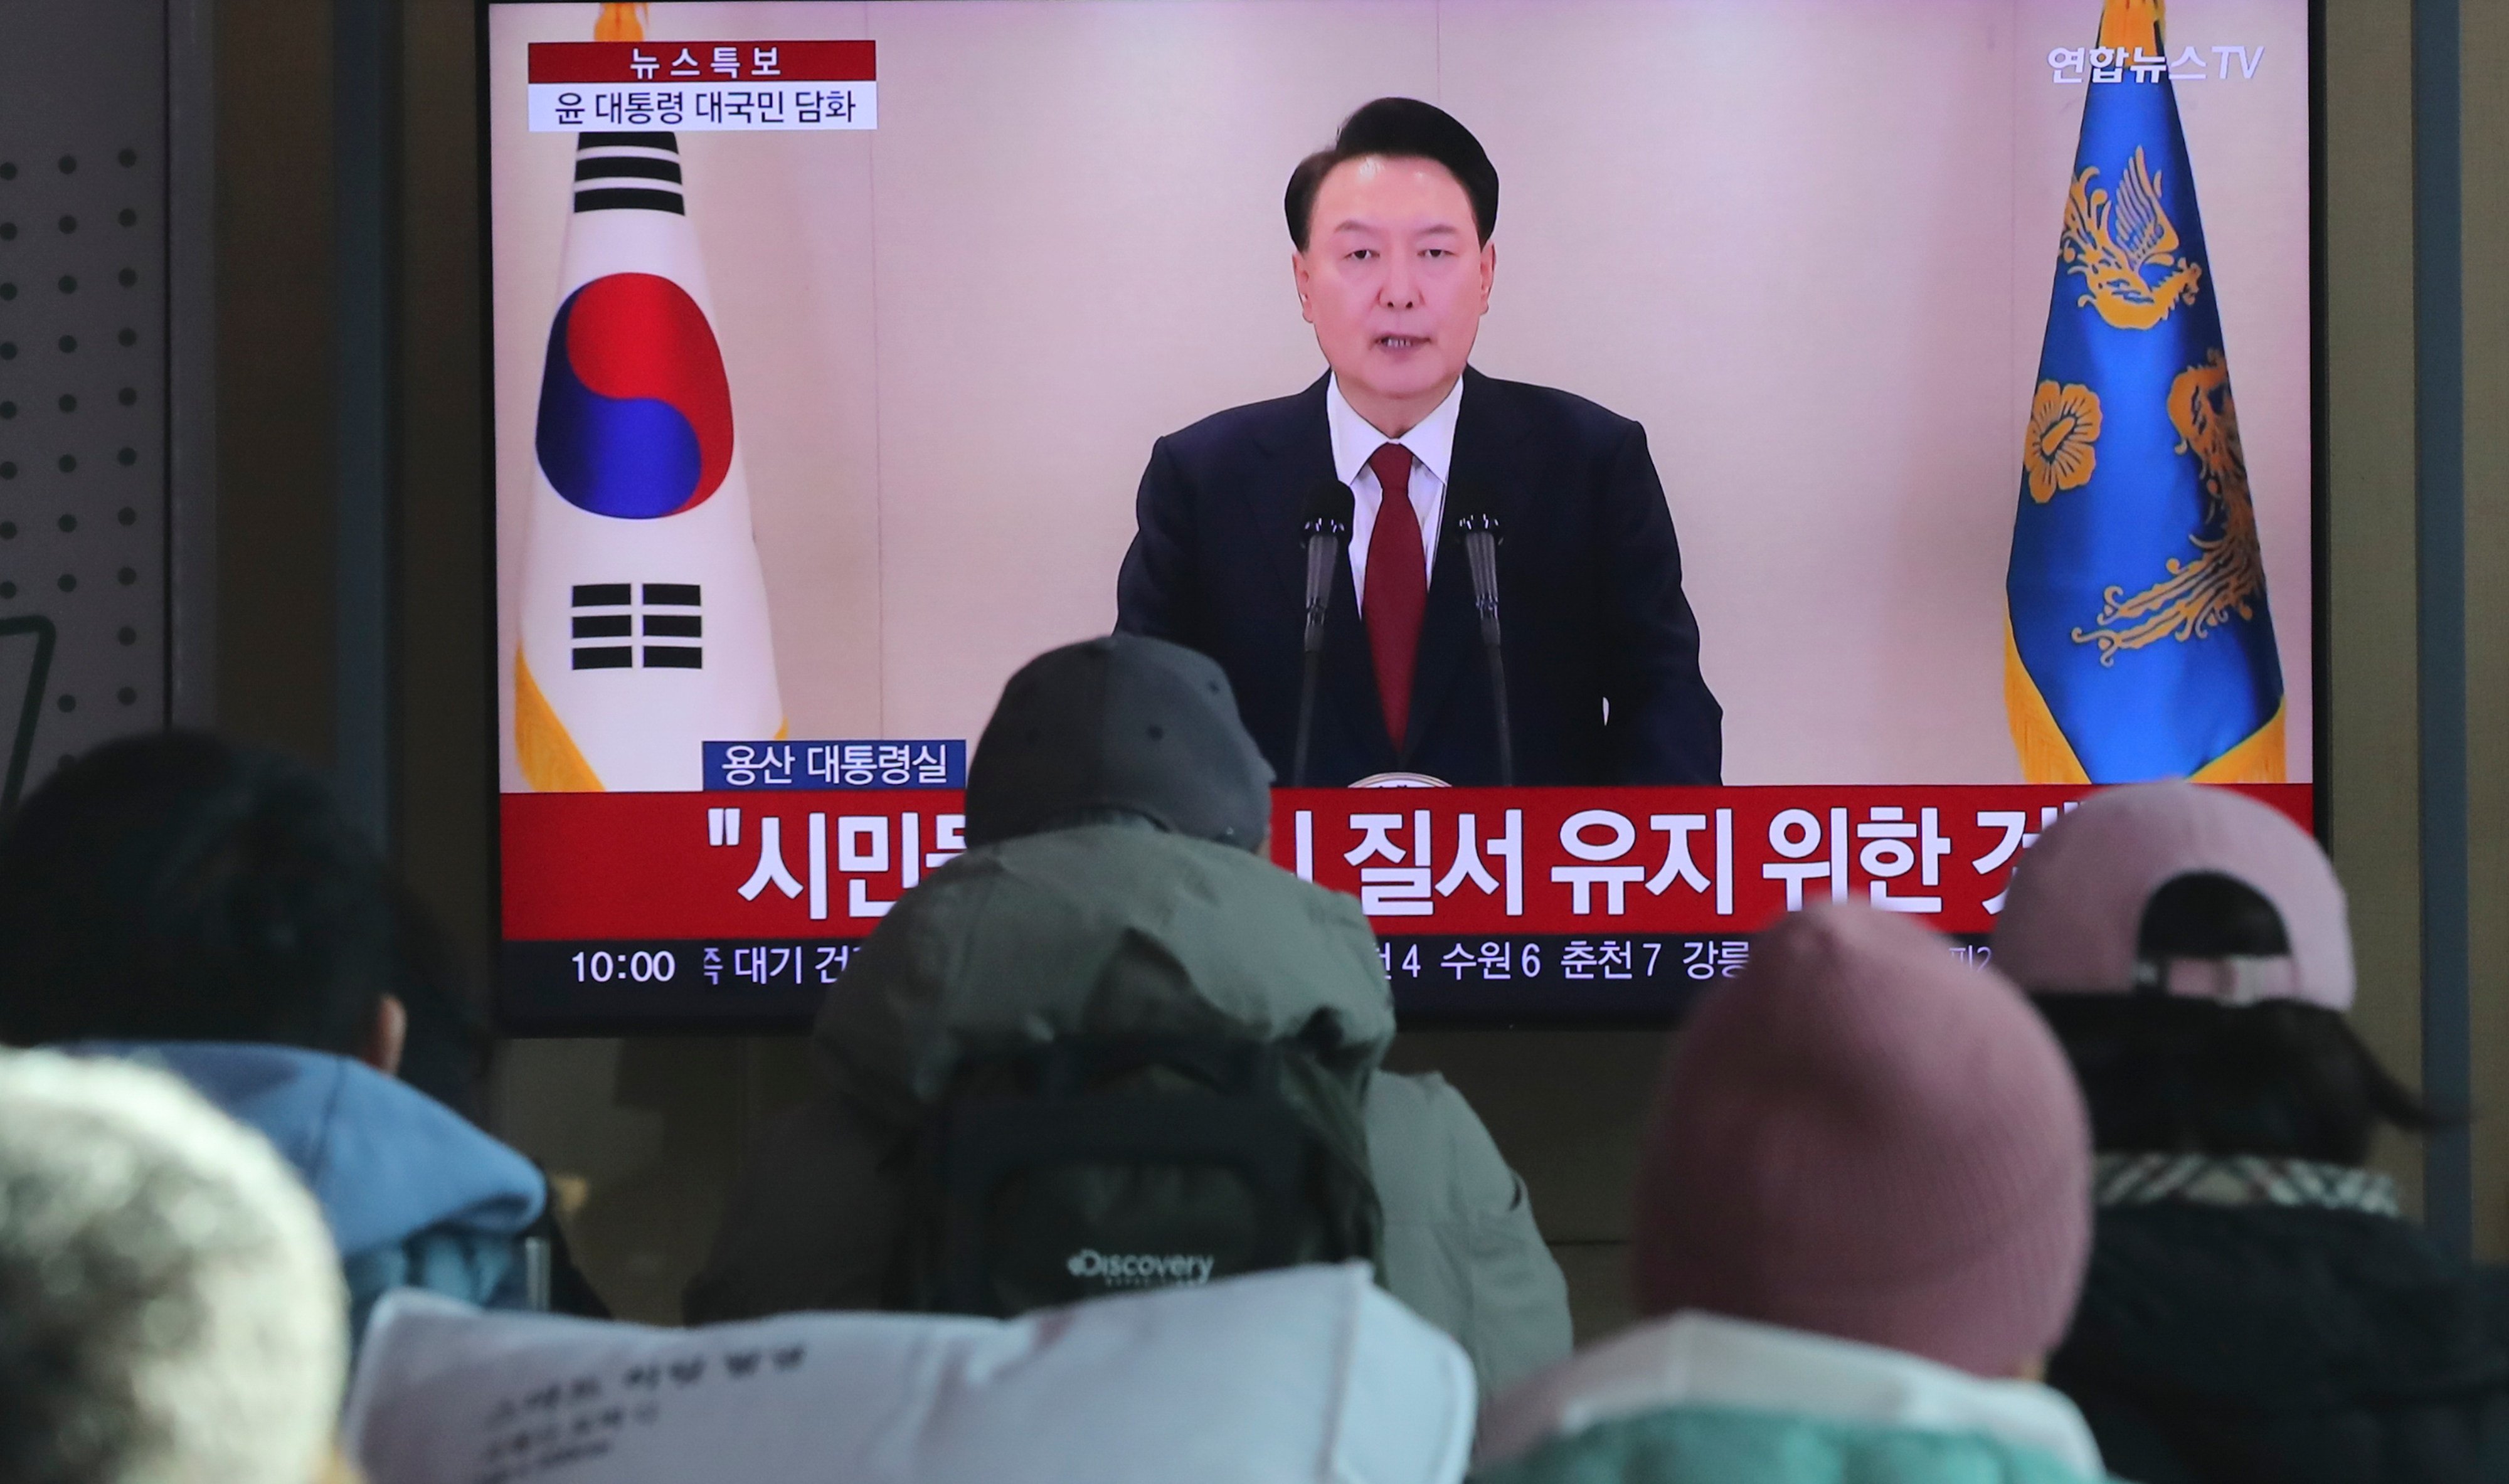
(1099,1165)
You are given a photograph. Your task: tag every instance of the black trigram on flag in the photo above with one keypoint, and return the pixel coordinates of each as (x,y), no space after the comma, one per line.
(622,172)
(608,617)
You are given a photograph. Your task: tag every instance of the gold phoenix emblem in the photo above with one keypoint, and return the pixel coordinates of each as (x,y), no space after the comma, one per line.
(2062,449)
(2114,245)
(2228,571)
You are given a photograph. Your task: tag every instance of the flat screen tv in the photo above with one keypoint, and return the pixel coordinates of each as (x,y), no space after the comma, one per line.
(1848,449)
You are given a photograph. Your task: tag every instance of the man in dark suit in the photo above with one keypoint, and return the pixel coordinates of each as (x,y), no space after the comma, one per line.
(1393,267)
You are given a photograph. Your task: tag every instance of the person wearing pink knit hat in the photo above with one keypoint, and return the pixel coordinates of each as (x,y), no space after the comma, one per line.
(1863,1214)
(2256,1307)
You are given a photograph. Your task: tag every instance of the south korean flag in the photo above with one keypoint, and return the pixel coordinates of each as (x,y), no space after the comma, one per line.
(644,623)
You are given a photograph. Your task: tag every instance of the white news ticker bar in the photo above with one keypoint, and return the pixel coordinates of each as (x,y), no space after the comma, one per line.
(691,108)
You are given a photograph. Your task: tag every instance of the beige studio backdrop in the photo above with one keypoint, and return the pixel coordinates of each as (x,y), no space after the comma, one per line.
(1808,242)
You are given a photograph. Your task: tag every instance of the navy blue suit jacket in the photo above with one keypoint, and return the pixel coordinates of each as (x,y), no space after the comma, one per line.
(1602,653)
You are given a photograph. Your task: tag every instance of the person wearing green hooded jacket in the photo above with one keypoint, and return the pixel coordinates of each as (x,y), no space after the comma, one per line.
(1115,884)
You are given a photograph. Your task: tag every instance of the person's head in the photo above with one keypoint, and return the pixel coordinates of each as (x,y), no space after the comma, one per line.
(2190,949)
(1863,1136)
(170,1303)
(176,886)
(1394,262)
(1120,726)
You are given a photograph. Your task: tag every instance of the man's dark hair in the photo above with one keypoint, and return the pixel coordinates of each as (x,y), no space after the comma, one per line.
(180,887)
(1398,128)
(2175,1074)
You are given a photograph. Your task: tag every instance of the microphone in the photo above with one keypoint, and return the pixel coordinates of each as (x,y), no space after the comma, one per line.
(1326,524)
(1468,513)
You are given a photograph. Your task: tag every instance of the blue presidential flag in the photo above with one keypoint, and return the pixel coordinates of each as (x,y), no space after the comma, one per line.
(2139,642)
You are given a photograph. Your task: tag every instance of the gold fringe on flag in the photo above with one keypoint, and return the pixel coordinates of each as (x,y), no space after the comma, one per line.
(550,761)
(621,22)
(2046,755)
(2263,758)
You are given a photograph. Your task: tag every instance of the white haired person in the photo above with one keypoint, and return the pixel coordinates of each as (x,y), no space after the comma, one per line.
(2257,1307)
(170,1308)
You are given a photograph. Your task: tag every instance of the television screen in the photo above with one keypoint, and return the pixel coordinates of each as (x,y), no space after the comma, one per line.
(1834,428)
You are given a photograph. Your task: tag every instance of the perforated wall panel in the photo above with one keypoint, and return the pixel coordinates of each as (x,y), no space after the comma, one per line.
(83,416)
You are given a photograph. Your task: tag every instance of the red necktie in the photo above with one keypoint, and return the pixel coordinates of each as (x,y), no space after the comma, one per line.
(1398,587)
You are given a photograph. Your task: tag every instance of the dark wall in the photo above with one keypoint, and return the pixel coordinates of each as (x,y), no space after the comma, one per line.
(274,274)
(447,758)
(274,365)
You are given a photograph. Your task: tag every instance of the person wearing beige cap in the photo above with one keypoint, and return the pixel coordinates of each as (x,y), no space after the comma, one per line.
(2256,1307)
(1862,1211)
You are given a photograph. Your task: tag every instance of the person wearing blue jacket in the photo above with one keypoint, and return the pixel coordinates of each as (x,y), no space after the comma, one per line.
(415,1195)
(181,900)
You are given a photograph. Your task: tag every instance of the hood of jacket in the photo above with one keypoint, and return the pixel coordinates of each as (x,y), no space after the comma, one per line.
(1702,1397)
(384,1161)
(2280,1309)
(1113,928)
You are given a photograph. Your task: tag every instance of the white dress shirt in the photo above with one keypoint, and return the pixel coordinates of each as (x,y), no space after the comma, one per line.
(1432,450)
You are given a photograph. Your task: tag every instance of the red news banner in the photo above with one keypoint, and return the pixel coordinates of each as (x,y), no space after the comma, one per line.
(702,87)
(1698,863)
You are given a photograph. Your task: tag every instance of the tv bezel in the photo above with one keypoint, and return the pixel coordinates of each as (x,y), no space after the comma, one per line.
(510,1023)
